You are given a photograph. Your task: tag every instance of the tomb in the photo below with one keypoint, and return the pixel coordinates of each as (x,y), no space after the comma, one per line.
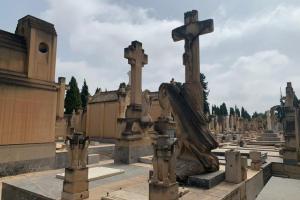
(32,103)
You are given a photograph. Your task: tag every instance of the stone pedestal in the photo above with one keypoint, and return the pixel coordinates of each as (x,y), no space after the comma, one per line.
(162,181)
(290,150)
(130,149)
(236,167)
(75,184)
(257,159)
(168,192)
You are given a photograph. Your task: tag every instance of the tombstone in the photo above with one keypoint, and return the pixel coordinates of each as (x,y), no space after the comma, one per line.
(231,122)
(134,142)
(227,123)
(257,159)
(186,103)
(162,181)
(269,122)
(236,167)
(291,130)
(75,184)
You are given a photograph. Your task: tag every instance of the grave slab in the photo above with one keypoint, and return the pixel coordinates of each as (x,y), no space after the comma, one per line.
(207,180)
(96,173)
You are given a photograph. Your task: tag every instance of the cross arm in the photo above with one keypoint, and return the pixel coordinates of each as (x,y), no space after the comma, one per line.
(192,30)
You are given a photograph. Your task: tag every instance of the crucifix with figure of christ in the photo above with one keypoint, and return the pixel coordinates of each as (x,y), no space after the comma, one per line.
(190,32)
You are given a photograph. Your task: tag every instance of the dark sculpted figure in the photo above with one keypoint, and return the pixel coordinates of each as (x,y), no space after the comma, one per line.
(185,102)
(194,139)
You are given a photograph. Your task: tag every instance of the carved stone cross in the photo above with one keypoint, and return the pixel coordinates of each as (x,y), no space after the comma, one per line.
(190,32)
(137,59)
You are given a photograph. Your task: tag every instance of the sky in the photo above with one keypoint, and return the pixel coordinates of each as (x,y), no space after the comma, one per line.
(251,54)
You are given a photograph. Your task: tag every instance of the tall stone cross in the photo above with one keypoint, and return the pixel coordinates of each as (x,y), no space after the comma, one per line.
(137,59)
(190,32)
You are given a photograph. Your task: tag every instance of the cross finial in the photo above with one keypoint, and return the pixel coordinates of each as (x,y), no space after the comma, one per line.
(135,54)
(137,59)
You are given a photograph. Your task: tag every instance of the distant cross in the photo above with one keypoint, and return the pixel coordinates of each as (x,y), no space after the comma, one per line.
(137,59)
(190,32)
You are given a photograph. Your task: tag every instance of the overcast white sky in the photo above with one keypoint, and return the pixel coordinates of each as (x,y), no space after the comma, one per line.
(251,54)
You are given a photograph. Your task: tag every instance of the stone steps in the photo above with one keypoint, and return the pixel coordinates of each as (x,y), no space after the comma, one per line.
(146,159)
(93,158)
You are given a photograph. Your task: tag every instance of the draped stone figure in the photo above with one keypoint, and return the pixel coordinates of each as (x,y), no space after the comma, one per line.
(195,142)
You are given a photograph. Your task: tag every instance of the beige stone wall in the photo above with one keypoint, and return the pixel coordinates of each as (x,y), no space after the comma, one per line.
(27,115)
(155,110)
(42,65)
(102,119)
(12,60)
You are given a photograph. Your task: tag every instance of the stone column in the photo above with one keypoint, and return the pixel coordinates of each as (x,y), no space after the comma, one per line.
(291,148)
(162,183)
(61,97)
(76,185)
(236,167)
(227,123)
(269,123)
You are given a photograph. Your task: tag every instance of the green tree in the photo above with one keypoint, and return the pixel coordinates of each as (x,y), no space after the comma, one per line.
(245,114)
(231,111)
(97,90)
(237,112)
(223,110)
(204,84)
(84,95)
(72,100)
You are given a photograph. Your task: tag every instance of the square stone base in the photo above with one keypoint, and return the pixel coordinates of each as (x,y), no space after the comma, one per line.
(207,180)
(129,151)
(163,192)
(75,196)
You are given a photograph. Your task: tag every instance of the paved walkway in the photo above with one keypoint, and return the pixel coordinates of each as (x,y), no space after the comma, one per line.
(281,189)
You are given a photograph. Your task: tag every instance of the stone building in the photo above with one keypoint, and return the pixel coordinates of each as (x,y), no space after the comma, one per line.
(31,103)
(106,108)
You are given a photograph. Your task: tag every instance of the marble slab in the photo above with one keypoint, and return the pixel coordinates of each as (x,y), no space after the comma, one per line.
(96,173)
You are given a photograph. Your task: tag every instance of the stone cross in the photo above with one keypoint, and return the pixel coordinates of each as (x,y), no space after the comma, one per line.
(190,32)
(137,59)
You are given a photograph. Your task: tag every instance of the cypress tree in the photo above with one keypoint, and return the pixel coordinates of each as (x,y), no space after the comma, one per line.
(237,112)
(72,100)
(231,112)
(204,84)
(223,109)
(84,95)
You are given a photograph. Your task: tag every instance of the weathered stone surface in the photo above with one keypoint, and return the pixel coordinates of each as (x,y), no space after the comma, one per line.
(236,167)
(94,173)
(162,182)
(93,159)
(17,159)
(194,139)
(207,180)
(11,192)
(169,192)
(76,185)
(129,151)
